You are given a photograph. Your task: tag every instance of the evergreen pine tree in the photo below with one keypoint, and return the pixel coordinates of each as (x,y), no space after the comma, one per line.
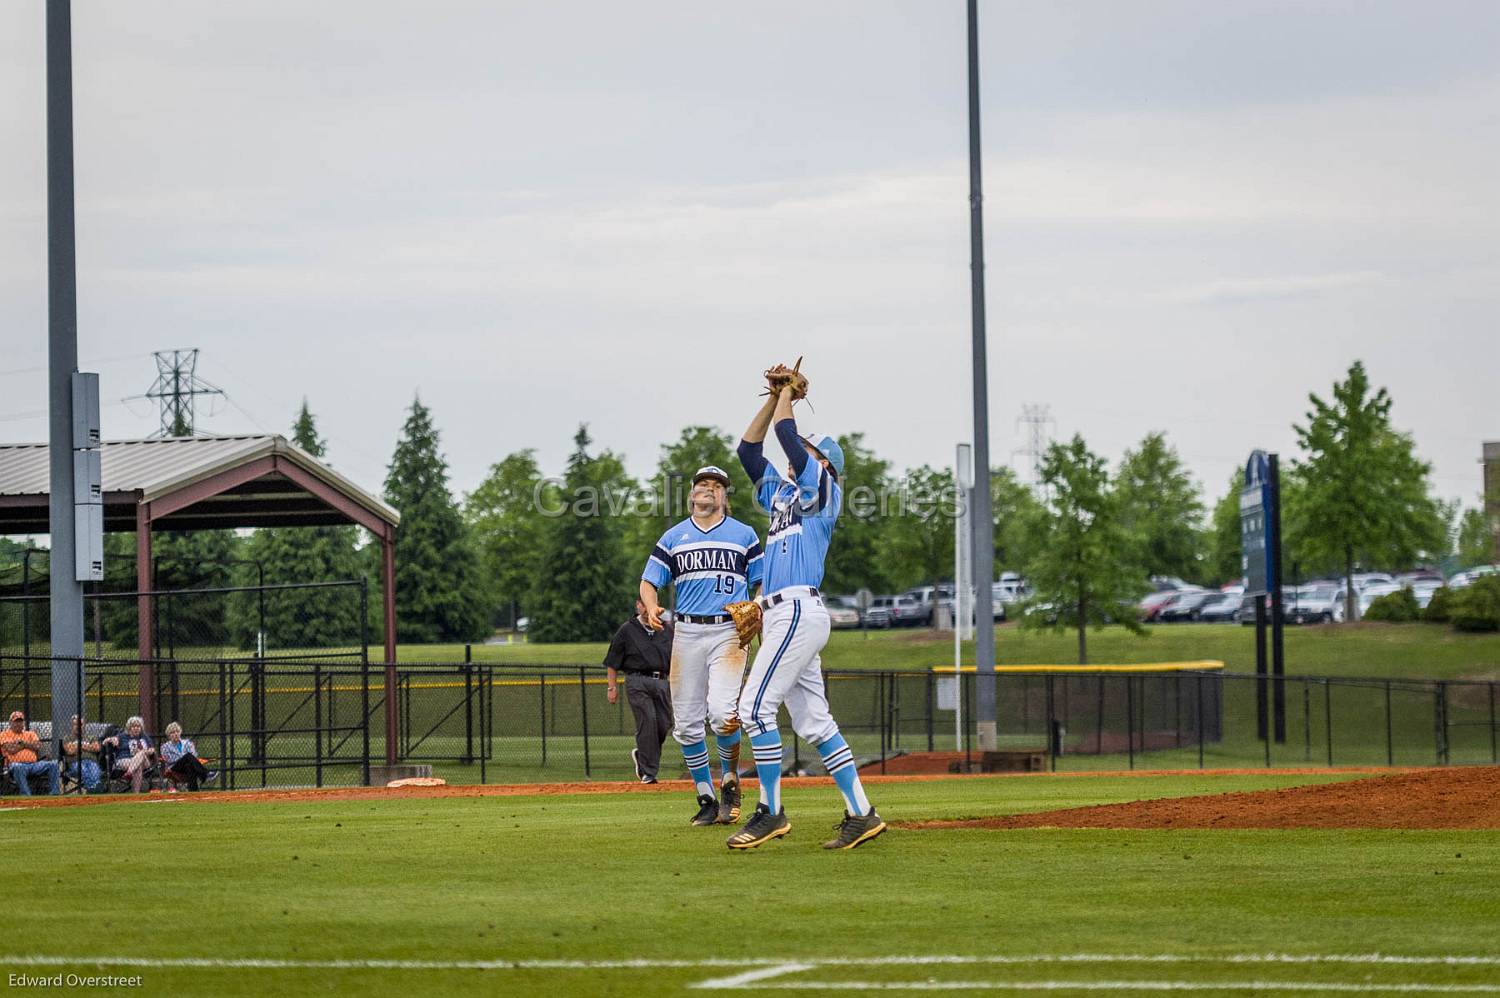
(438,595)
(585,590)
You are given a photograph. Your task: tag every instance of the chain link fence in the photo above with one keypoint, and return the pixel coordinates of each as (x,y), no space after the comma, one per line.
(321,722)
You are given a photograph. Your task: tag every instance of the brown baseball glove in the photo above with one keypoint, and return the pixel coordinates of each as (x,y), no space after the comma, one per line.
(746,614)
(780,376)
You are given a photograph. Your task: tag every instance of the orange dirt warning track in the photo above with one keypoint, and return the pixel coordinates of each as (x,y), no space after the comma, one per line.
(598,787)
(1425,799)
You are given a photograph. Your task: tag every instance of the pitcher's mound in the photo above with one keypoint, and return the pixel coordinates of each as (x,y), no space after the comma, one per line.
(1461,797)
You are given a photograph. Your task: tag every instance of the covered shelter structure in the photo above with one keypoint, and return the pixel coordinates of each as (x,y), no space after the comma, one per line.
(208,483)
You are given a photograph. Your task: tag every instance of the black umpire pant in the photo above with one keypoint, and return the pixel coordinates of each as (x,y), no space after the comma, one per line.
(651,702)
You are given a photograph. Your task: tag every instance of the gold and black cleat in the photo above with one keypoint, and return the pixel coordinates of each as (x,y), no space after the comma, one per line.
(855,830)
(763,826)
(729,800)
(708,812)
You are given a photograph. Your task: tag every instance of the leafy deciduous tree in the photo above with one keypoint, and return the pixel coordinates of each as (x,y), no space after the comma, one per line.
(1086,572)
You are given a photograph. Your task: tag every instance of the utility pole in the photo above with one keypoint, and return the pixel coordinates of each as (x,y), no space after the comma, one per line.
(62,362)
(983,516)
(177,388)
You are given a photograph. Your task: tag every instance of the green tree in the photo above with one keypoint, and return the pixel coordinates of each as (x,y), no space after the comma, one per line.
(279,620)
(504,513)
(855,558)
(1364,496)
(1161,509)
(917,542)
(1477,533)
(1086,572)
(1019,522)
(1225,545)
(585,591)
(438,597)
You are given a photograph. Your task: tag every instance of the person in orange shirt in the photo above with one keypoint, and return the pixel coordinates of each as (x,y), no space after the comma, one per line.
(22,751)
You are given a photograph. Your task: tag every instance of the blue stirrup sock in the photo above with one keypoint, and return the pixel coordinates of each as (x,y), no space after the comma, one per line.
(838,759)
(767,748)
(729,753)
(696,757)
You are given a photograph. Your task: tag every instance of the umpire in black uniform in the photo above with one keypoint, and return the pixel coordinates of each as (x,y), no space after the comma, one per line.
(645,656)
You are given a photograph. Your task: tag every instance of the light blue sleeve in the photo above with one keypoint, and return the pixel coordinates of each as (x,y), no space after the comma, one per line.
(767,487)
(658,570)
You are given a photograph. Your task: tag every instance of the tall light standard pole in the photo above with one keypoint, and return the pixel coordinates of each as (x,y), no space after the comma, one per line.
(62,361)
(983,520)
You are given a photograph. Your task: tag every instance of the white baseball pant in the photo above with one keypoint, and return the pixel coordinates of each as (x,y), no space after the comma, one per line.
(707,667)
(788,669)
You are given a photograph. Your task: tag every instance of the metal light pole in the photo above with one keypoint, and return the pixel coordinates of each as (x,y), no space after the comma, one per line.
(62,362)
(983,517)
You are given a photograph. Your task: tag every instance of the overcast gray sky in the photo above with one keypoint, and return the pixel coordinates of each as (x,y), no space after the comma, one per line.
(540,214)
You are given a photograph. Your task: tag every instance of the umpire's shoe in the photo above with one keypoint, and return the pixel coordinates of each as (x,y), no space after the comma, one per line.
(763,826)
(855,830)
(708,811)
(729,800)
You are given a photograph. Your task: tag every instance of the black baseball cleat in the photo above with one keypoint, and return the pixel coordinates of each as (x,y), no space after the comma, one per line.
(855,830)
(708,812)
(763,826)
(729,800)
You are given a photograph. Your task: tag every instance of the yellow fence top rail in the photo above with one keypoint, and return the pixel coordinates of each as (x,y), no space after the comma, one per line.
(1205,665)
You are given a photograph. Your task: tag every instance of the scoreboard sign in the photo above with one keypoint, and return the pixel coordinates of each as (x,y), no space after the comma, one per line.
(1255,528)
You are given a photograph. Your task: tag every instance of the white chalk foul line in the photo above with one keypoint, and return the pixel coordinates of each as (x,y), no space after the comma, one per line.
(1278,987)
(749,963)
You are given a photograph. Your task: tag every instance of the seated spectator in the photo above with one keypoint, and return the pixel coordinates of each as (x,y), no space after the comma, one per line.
(22,751)
(180,756)
(134,753)
(86,771)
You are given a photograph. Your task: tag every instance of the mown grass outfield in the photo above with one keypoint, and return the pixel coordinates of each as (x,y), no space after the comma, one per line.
(1428,651)
(312,897)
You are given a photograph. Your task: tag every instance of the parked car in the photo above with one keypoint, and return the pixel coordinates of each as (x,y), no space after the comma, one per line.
(1468,577)
(930,598)
(876,617)
(1185,607)
(1372,592)
(905,611)
(1313,604)
(1011,588)
(1151,605)
(1223,608)
(842,617)
(1423,590)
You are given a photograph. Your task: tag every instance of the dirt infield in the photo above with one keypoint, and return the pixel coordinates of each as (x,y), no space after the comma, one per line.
(602,787)
(1423,799)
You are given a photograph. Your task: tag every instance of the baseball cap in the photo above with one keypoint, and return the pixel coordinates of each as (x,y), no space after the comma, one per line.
(829,448)
(16,715)
(713,471)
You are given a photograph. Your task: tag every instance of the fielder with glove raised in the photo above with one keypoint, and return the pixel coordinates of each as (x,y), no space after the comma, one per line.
(714,561)
(804,506)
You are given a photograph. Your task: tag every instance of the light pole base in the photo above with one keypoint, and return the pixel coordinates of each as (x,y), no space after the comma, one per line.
(988,738)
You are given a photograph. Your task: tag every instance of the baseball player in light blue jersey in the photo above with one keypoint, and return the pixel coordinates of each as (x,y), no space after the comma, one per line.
(712,559)
(804,507)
